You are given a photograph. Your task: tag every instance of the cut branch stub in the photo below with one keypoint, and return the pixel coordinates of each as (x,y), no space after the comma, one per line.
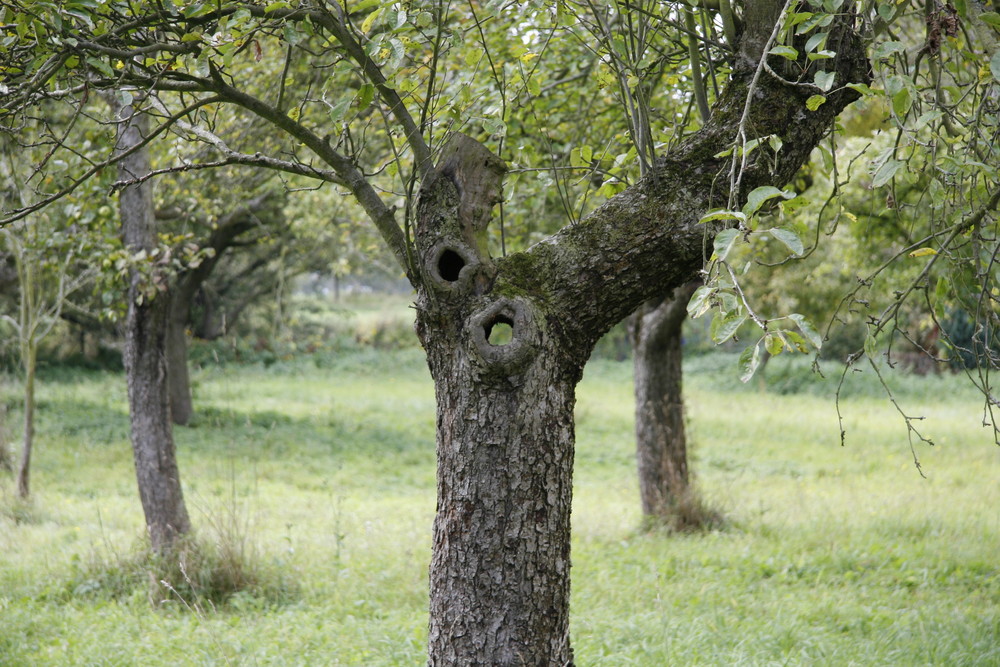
(478,175)
(497,354)
(456,204)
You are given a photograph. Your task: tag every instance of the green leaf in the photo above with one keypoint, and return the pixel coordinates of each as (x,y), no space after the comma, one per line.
(824,80)
(789,239)
(366,25)
(814,102)
(722,214)
(760,195)
(807,329)
(886,49)
(822,55)
(816,40)
(995,65)
(495,126)
(774,343)
(339,110)
(724,243)
(784,52)
(724,326)
(886,172)
(862,88)
(793,339)
(101,66)
(901,102)
(749,362)
(700,301)
(991,19)
(871,350)
(365,95)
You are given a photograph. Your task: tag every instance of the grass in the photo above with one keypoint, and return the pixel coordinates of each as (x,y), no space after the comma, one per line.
(831,555)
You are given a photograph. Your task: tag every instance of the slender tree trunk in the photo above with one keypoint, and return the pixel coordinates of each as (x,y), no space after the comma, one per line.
(145,354)
(661,441)
(30,354)
(185,289)
(6,459)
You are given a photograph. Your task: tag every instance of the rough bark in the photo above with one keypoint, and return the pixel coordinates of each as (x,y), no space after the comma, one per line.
(145,354)
(500,567)
(499,577)
(661,439)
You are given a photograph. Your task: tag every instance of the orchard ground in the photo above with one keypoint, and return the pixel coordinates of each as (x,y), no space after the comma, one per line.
(322,467)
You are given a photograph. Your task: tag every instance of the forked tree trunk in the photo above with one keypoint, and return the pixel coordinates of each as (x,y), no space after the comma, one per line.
(499,576)
(145,353)
(661,438)
(499,573)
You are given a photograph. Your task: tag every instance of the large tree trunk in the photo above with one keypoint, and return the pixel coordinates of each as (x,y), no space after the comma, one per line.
(499,579)
(500,568)
(145,353)
(661,439)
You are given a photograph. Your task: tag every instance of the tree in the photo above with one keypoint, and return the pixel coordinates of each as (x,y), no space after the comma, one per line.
(47,258)
(145,356)
(227,232)
(500,566)
(661,437)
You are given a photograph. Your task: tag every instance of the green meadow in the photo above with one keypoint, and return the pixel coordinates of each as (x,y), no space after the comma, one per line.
(320,469)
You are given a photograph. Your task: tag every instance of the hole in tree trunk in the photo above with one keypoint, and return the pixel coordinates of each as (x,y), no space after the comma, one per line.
(450,265)
(499,331)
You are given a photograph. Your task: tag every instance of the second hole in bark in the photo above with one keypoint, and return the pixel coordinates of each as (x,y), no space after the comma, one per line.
(450,265)
(499,330)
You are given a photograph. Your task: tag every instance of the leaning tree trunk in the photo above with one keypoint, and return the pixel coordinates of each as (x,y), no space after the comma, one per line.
(499,576)
(661,439)
(145,351)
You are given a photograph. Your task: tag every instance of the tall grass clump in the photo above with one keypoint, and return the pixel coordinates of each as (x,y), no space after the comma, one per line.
(217,567)
(687,513)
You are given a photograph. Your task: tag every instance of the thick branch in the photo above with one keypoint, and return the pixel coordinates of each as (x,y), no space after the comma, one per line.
(340,27)
(647,240)
(381,215)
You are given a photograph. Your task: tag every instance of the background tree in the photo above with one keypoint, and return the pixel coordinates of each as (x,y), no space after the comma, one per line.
(52,260)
